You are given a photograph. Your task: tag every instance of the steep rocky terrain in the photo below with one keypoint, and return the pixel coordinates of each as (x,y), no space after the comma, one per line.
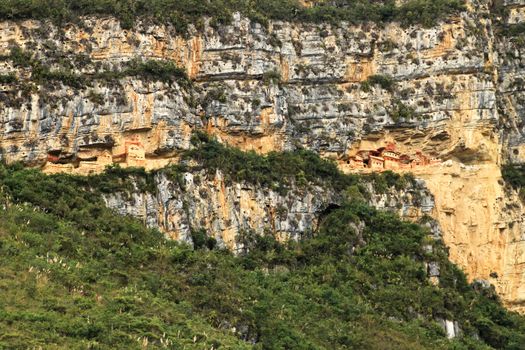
(74,273)
(76,99)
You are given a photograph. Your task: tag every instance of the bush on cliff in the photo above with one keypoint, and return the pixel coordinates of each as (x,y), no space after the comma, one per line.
(386,82)
(514,175)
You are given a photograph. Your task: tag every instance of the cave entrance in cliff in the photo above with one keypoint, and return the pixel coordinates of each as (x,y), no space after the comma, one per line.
(327,211)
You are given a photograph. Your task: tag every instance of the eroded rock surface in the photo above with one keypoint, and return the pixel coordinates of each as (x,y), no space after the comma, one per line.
(196,200)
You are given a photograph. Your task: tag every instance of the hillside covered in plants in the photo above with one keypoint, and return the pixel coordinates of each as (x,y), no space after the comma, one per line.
(76,275)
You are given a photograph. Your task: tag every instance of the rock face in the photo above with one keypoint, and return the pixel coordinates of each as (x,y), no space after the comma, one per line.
(200,201)
(194,201)
(455,93)
(315,99)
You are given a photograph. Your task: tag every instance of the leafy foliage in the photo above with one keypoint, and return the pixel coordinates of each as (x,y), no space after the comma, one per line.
(402,112)
(384,81)
(514,30)
(500,12)
(514,175)
(277,170)
(182,12)
(8,79)
(272,76)
(166,71)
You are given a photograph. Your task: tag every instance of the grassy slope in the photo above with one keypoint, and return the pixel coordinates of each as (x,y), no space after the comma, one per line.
(74,275)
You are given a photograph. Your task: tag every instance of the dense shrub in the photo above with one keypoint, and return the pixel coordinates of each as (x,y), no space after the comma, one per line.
(166,71)
(277,170)
(200,239)
(427,12)
(402,112)
(384,81)
(8,79)
(271,77)
(514,175)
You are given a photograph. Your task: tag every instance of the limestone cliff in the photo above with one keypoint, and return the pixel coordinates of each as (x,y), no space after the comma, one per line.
(196,200)
(455,94)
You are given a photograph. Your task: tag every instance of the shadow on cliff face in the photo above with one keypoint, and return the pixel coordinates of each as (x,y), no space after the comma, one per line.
(468,155)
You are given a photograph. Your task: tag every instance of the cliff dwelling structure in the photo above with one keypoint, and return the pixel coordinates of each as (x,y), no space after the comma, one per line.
(388,158)
(94,160)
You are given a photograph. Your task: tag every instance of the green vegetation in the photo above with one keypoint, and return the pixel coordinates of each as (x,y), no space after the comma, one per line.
(277,170)
(96,98)
(182,12)
(19,57)
(514,175)
(282,171)
(500,13)
(515,29)
(200,239)
(402,112)
(271,77)
(153,70)
(76,276)
(215,93)
(8,79)
(40,73)
(515,33)
(384,81)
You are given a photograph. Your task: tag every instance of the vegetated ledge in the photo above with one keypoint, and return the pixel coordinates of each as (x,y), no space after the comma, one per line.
(181,13)
(359,281)
(149,70)
(278,171)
